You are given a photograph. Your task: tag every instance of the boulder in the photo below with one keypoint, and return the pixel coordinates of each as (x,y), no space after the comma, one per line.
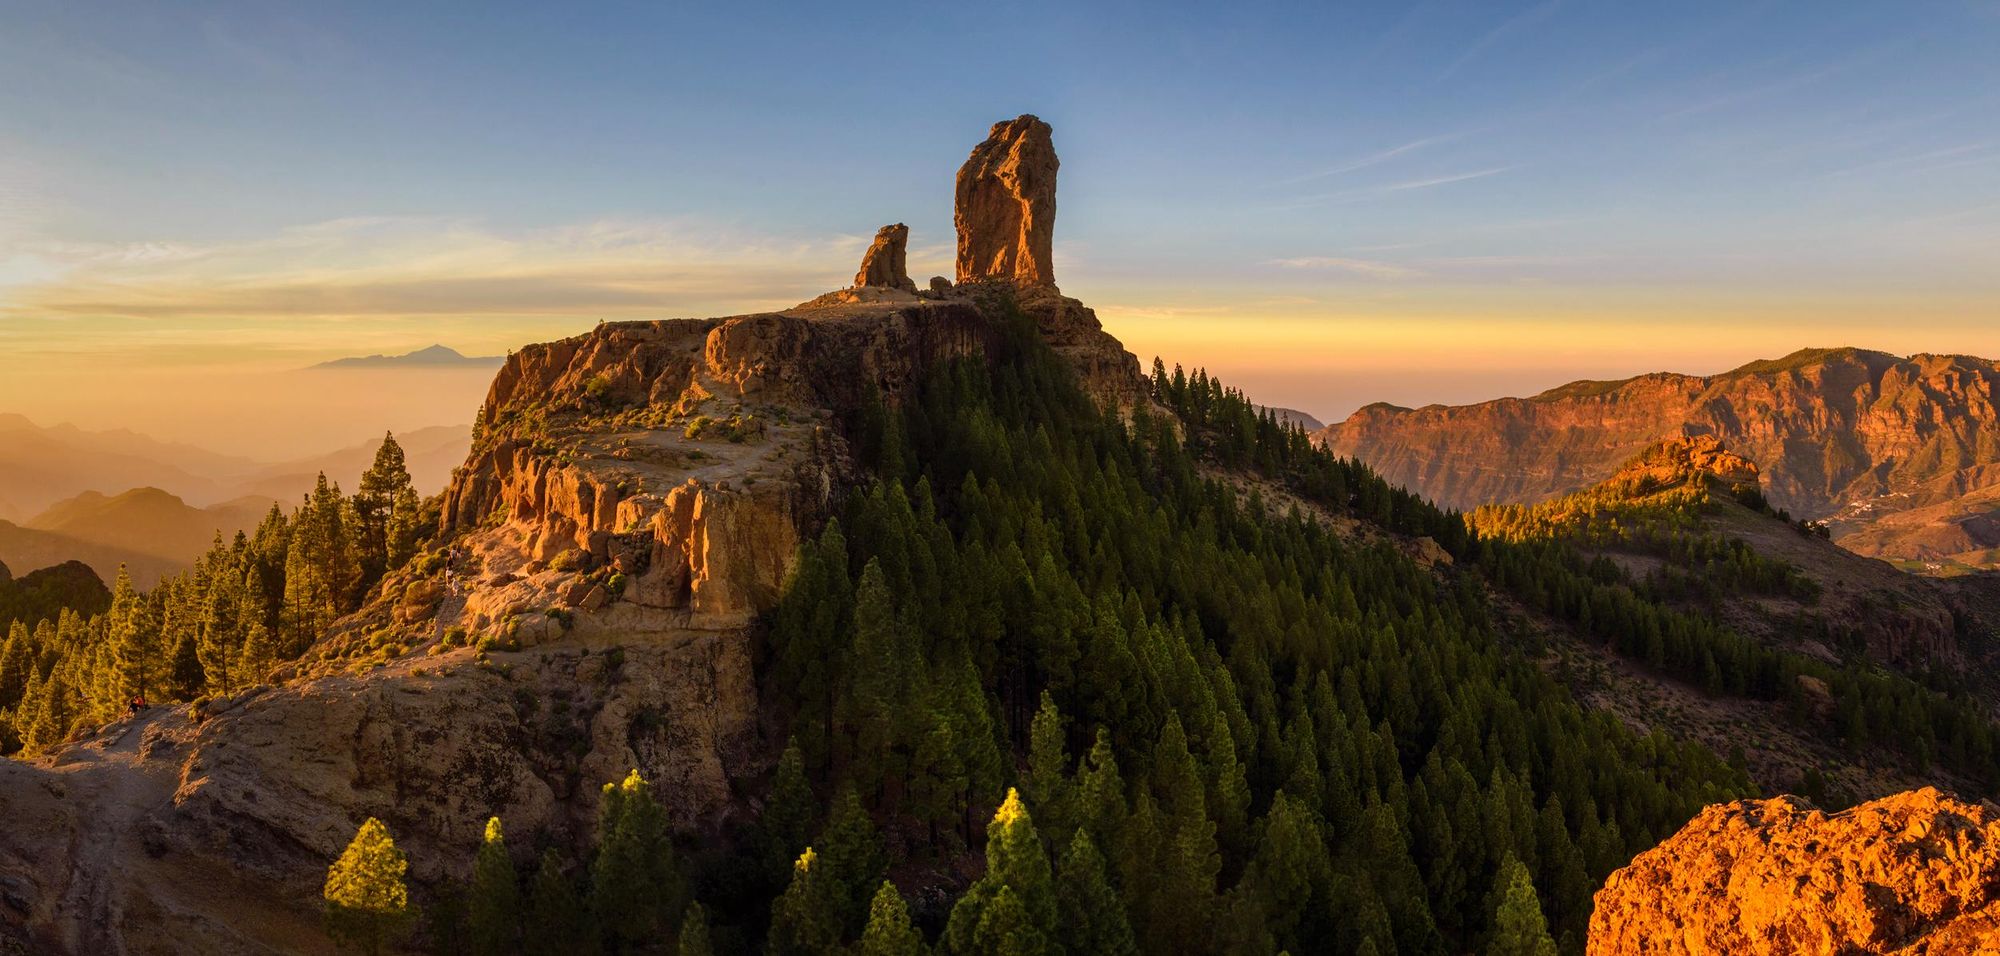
(1006,206)
(1915,873)
(883,265)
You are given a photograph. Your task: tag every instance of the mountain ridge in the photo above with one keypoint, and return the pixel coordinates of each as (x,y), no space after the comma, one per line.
(1846,435)
(430,356)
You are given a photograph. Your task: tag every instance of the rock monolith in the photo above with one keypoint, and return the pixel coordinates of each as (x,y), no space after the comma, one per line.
(1006,208)
(884,263)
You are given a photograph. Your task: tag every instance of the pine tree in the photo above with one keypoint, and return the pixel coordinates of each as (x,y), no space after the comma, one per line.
(788,812)
(1017,867)
(852,858)
(1289,873)
(185,675)
(374,505)
(367,904)
(1048,768)
(1006,928)
(694,932)
(1518,926)
(637,893)
(882,678)
(444,921)
(1091,915)
(219,632)
(493,903)
(14,666)
(135,641)
(1100,793)
(557,922)
(805,921)
(889,931)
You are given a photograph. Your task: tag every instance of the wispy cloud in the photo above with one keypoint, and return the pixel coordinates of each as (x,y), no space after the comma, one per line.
(1373,159)
(387,267)
(1784,84)
(1390,189)
(1515,24)
(1446,180)
(1362,267)
(1925,161)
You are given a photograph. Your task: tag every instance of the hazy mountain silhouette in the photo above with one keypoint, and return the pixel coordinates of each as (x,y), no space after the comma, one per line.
(434,356)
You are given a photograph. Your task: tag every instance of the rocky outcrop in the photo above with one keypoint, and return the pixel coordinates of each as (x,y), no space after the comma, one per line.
(1006,208)
(633,500)
(1680,461)
(1845,435)
(1916,873)
(883,264)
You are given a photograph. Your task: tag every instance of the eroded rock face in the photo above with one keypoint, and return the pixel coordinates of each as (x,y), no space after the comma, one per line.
(1916,873)
(1846,435)
(883,264)
(1006,208)
(633,500)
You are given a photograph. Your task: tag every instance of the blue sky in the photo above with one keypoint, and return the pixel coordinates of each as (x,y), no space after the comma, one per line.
(1331,203)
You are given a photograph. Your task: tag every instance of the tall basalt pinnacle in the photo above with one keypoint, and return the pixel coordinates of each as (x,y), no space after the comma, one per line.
(883,265)
(1006,207)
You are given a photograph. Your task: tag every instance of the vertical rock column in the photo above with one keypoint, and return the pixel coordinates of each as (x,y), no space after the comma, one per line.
(883,266)
(1006,206)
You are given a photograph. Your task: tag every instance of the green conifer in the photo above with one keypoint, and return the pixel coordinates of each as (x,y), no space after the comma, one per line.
(889,931)
(1518,926)
(557,922)
(493,902)
(367,903)
(805,920)
(637,892)
(694,939)
(1091,916)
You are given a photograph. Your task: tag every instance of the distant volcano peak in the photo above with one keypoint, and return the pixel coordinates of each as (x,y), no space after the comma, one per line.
(431,356)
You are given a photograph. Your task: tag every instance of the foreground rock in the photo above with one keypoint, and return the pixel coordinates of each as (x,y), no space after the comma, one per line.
(1916,873)
(1006,207)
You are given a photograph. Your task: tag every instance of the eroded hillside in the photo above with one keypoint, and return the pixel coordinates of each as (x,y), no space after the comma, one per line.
(1849,436)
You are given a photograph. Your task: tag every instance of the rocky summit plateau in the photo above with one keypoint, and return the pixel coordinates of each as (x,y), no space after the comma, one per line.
(634,499)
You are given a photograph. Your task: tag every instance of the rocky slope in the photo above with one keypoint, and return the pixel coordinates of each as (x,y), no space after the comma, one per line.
(1916,873)
(1844,435)
(1851,609)
(631,503)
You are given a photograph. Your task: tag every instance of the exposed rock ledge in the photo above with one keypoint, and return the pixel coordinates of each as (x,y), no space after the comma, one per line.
(1916,874)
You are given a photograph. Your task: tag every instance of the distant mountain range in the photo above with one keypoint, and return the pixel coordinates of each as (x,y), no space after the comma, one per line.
(117,497)
(434,356)
(1900,455)
(149,530)
(1292,416)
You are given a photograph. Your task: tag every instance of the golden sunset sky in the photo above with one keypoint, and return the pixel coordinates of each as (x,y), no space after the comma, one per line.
(1327,206)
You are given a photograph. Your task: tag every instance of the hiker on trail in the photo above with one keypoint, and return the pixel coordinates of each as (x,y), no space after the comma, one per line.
(138,704)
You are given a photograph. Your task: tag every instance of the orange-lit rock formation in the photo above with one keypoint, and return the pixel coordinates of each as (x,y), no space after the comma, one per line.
(883,265)
(1916,874)
(1006,208)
